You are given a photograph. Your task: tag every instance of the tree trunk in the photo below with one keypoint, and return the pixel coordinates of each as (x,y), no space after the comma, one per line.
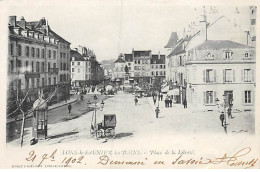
(22,129)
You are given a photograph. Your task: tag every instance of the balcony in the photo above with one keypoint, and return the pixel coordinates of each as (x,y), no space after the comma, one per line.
(54,71)
(32,75)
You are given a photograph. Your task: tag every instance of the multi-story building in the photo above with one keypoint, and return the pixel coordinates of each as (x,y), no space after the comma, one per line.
(119,69)
(80,69)
(34,59)
(142,61)
(215,68)
(158,67)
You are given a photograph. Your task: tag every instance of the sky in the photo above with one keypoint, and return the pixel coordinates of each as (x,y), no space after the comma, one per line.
(116,26)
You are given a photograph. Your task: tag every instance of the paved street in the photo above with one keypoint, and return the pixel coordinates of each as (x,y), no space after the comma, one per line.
(137,123)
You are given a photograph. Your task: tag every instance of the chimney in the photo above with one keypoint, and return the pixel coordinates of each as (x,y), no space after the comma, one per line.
(23,22)
(12,20)
(203,25)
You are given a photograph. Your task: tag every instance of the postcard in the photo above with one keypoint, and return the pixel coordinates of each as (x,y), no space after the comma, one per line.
(123,84)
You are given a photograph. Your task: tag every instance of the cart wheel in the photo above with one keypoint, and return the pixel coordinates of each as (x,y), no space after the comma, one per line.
(112,132)
(107,132)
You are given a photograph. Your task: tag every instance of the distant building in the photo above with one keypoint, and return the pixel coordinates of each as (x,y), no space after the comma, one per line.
(158,67)
(38,58)
(80,70)
(119,69)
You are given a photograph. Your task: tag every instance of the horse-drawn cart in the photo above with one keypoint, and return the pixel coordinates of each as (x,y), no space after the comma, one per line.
(106,128)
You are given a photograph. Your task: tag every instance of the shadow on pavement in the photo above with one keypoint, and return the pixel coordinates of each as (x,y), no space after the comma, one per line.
(62,135)
(120,135)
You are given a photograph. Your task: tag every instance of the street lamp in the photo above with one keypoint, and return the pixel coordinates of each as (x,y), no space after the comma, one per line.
(225,103)
(95,113)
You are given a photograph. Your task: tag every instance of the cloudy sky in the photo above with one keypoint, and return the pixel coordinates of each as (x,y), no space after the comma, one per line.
(114,26)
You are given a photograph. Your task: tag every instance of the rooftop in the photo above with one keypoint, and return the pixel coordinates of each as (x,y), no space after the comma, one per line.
(172,40)
(220,44)
(119,60)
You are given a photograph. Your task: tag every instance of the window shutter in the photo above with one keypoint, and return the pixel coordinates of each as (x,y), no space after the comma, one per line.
(215,96)
(204,95)
(253,75)
(242,75)
(204,75)
(224,77)
(243,97)
(234,75)
(215,76)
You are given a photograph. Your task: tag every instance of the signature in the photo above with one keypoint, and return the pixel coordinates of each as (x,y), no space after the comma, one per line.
(234,160)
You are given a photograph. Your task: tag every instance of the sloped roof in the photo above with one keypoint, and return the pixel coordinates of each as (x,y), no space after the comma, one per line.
(172,40)
(177,50)
(155,57)
(77,56)
(141,53)
(220,44)
(128,57)
(119,60)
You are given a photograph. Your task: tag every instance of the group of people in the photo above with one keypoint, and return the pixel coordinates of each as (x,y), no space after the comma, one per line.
(168,102)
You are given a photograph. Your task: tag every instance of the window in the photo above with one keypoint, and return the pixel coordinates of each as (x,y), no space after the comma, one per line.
(72,63)
(247,96)
(33,52)
(54,80)
(26,83)
(228,75)
(37,83)
(64,55)
(54,65)
(161,72)
(49,54)
(32,66)
(78,63)
(209,97)
(60,66)
(38,67)
(42,82)
(138,61)
(78,70)
(228,55)
(152,66)
(209,76)
(27,51)
(54,55)
(152,73)
(246,55)
(61,55)
(33,84)
(43,67)
(43,54)
(12,49)
(156,73)
(64,66)
(49,66)
(209,56)
(11,65)
(160,66)
(247,75)
(72,69)
(38,52)
(19,49)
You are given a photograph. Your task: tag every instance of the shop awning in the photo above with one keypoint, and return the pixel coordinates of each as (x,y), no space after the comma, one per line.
(173,92)
(165,89)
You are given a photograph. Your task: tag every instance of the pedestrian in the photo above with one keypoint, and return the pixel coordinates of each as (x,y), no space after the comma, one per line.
(161,97)
(185,103)
(154,101)
(69,108)
(165,102)
(157,111)
(136,100)
(170,101)
(221,117)
(229,113)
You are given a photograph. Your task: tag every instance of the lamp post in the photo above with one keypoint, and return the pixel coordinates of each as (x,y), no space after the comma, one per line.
(95,113)
(225,103)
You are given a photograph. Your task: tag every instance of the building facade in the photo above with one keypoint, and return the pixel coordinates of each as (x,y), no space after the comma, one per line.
(80,70)
(215,68)
(34,59)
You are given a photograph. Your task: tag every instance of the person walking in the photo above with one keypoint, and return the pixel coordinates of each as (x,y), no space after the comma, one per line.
(136,100)
(229,113)
(69,108)
(157,111)
(161,97)
(165,102)
(221,117)
(185,103)
(154,100)
(170,101)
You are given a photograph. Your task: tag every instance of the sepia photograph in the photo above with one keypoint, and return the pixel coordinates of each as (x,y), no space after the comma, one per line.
(129,84)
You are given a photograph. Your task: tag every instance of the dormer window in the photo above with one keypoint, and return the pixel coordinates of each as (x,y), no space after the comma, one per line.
(209,56)
(228,54)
